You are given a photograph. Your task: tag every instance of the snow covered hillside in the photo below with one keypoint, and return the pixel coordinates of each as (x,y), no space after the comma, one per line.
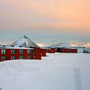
(54,72)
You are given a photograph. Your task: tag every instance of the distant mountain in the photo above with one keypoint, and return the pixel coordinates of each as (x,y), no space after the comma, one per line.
(66,45)
(81,45)
(87,45)
(61,45)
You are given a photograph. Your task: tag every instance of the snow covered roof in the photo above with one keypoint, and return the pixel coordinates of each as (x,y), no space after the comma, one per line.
(9,47)
(24,42)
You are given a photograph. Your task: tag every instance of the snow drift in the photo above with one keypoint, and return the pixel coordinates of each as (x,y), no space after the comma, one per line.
(54,72)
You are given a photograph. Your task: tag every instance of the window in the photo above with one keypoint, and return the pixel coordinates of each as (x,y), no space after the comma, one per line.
(12,57)
(2,57)
(21,51)
(28,57)
(12,51)
(28,51)
(3,51)
(33,50)
(21,57)
(34,54)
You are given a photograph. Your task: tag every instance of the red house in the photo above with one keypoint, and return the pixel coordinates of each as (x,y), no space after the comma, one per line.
(67,50)
(23,48)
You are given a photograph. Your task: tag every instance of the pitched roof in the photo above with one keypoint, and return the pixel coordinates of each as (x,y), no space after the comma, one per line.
(25,42)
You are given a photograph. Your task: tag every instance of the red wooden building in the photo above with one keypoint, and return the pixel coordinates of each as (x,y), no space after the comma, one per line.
(47,50)
(66,50)
(19,53)
(23,48)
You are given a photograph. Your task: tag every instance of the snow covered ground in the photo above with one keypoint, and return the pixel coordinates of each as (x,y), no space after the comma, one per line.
(54,72)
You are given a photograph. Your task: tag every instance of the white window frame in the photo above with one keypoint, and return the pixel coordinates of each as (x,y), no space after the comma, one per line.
(2,58)
(21,51)
(28,51)
(12,51)
(29,57)
(21,57)
(3,51)
(12,57)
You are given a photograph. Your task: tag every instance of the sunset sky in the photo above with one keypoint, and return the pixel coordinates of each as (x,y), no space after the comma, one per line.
(48,21)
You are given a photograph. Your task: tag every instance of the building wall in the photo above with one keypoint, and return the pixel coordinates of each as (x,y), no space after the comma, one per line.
(37,53)
(43,52)
(53,50)
(47,50)
(17,54)
(65,50)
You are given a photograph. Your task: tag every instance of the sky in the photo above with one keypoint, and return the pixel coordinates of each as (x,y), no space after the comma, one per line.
(45,21)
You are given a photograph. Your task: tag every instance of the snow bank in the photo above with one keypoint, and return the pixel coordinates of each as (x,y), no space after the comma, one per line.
(54,72)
